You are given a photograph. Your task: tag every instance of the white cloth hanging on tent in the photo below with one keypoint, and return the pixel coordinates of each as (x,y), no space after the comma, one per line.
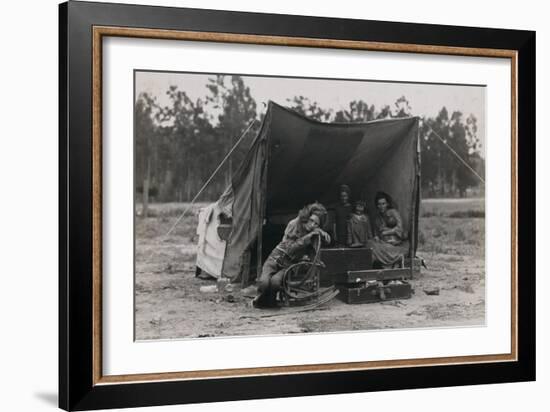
(210,247)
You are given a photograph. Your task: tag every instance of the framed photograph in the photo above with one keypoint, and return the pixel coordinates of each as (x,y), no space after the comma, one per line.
(256,205)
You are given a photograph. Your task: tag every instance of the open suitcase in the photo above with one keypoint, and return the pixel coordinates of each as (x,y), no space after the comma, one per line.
(350,270)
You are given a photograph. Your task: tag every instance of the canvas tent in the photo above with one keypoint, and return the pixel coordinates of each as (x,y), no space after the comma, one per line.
(294,161)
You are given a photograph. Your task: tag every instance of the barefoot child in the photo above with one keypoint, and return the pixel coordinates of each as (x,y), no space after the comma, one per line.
(359,230)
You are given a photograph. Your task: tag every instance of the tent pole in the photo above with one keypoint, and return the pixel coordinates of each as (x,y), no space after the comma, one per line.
(416,191)
(413,233)
(262,213)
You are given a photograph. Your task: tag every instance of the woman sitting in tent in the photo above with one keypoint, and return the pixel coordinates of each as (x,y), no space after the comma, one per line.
(298,241)
(389,244)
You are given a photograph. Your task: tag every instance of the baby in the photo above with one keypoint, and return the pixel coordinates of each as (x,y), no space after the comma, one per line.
(359,230)
(388,234)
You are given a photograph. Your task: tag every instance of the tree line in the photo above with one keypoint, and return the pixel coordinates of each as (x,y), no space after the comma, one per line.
(179,145)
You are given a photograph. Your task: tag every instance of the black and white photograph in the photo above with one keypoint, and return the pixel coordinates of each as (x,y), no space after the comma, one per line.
(268,205)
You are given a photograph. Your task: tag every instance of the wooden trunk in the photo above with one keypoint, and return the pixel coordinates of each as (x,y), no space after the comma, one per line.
(362,276)
(339,261)
(372,293)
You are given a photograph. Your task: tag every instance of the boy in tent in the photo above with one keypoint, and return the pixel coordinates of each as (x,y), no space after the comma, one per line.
(342,212)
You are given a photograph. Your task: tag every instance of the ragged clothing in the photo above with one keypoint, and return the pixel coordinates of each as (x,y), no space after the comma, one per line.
(295,244)
(341,216)
(359,230)
(392,243)
(390,221)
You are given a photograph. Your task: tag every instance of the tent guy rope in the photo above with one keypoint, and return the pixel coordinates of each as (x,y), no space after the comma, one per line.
(210,178)
(456,154)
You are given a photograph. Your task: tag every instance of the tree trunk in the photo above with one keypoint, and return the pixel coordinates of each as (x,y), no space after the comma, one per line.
(440,185)
(453,183)
(189,182)
(145,210)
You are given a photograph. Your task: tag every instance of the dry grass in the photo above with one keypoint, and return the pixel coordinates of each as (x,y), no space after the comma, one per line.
(455,208)
(169,304)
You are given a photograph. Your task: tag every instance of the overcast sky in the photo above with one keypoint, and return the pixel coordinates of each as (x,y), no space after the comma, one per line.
(424,99)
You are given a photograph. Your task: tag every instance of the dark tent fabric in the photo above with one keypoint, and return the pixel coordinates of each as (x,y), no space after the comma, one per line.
(295,161)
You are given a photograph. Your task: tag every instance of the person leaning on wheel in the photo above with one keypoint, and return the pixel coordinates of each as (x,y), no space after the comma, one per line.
(298,240)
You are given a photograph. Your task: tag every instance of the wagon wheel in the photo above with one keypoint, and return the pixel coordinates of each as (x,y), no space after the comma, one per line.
(300,282)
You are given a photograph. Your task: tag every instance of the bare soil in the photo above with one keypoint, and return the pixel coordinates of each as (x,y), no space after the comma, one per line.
(169,303)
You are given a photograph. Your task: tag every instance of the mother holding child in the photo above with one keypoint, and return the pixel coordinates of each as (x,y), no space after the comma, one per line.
(386,238)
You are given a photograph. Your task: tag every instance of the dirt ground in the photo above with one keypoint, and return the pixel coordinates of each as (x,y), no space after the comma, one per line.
(169,303)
